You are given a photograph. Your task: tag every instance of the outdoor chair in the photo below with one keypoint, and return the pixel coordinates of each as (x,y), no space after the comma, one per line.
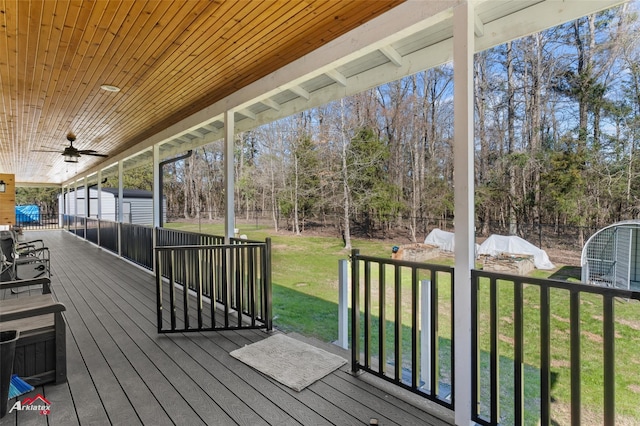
(19,260)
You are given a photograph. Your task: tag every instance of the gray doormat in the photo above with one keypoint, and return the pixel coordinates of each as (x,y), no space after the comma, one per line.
(289,361)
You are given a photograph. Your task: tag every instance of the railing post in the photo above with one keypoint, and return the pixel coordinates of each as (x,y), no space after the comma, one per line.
(609,360)
(425,333)
(158,270)
(343,304)
(154,244)
(268,290)
(545,355)
(574,317)
(119,239)
(355,311)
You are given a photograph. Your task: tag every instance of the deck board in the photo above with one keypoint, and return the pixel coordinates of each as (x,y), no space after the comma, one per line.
(121,371)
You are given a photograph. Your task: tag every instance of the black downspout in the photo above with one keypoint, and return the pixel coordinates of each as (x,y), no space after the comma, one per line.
(162,164)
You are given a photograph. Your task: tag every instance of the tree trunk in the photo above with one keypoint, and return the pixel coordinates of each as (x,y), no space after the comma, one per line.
(513,221)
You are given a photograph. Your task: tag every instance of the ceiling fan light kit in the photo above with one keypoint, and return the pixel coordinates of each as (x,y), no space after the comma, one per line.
(70,158)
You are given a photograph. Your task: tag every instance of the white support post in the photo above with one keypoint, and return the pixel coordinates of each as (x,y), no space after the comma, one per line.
(463,49)
(87,200)
(157,202)
(343,304)
(65,206)
(120,205)
(62,206)
(75,203)
(99,212)
(229,216)
(99,204)
(425,333)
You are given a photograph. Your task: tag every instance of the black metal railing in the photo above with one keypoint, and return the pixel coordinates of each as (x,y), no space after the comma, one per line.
(192,279)
(92,230)
(38,221)
(66,221)
(79,226)
(174,237)
(137,244)
(193,270)
(403,330)
(109,235)
(507,311)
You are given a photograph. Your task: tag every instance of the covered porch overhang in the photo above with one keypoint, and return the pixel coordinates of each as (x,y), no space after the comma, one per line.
(411,37)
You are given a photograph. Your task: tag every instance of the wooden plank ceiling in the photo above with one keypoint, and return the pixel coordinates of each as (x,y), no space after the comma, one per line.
(169,58)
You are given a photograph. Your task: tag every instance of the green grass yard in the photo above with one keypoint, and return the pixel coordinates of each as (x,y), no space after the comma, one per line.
(305,295)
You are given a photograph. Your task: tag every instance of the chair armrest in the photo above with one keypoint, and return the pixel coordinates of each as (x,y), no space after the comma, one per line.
(30,250)
(49,308)
(29,243)
(46,284)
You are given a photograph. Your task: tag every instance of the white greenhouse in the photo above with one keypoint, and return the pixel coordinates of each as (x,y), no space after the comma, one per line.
(611,257)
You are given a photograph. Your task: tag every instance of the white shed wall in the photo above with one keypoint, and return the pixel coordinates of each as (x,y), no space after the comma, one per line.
(138,211)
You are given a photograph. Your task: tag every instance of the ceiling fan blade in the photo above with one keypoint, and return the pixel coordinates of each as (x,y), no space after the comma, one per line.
(45,150)
(57,148)
(95,154)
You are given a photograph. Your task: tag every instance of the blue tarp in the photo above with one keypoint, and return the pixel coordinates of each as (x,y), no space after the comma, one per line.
(27,214)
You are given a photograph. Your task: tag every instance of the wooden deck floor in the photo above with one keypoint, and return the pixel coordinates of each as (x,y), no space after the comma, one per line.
(121,372)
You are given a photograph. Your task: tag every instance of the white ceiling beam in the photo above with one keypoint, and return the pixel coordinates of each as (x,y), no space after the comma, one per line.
(270,103)
(337,77)
(247,114)
(392,55)
(300,92)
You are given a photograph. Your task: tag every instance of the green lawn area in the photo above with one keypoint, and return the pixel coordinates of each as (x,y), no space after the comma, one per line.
(305,294)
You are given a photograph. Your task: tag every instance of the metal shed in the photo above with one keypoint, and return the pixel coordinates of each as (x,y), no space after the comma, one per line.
(611,256)
(137,204)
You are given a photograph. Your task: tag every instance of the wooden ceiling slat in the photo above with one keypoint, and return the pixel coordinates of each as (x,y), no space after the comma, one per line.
(329,11)
(171,59)
(57,13)
(93,21)
(228,37)
(201,42)
(7,69)
(80,70)
(96,44)
(35,103)
(59,92)
(28,29)
(328,15)
(124,50)
(140,105)
(139,57)
(102,43)
(21,70)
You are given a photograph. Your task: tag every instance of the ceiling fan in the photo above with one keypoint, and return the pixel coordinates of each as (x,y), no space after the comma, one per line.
(71,153)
